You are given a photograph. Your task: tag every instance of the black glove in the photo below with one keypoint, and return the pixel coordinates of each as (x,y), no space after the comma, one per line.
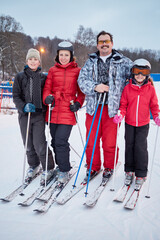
(50,100)
(75,107)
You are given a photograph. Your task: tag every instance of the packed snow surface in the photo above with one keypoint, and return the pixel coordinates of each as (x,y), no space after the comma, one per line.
(74,221)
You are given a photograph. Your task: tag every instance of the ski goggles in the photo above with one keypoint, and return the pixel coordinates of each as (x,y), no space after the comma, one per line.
(100,42)
(143,71)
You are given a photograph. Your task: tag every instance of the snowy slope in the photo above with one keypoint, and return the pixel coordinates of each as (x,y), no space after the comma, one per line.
(107,220)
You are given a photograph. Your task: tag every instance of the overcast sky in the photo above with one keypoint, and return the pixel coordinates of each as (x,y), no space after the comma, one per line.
(133,23)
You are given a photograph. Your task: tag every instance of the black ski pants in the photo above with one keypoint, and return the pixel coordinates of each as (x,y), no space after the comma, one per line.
(136,153)
(60,134)
(36,147)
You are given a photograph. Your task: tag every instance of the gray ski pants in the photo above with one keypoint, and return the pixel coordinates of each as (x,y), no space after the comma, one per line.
(36,148)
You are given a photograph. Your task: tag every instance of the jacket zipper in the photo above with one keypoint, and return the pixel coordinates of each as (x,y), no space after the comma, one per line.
(62,91)
(137,111)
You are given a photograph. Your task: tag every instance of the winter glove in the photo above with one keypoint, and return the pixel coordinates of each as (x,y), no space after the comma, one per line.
(75,107)
(50,100)
(157,121)
(117,118)
(29,107)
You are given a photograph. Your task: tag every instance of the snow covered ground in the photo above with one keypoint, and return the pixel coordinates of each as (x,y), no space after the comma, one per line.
(107,220)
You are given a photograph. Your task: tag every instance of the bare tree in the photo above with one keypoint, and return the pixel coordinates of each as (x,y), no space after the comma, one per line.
(12,49)
(85,43)
(151,55)
(85,36)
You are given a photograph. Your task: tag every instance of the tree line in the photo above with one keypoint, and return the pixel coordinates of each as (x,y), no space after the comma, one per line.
(14,45)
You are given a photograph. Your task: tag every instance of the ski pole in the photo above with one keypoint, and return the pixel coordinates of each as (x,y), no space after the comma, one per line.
(115,157)
(74,185)
(25,148)
(48,130)
(75,151)
(76,117)
(95,141)
(153,158)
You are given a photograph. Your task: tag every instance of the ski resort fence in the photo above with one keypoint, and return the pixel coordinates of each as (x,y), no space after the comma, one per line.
(6,98)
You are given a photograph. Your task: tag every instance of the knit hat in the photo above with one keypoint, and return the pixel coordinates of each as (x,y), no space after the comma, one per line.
(65,46)
(33,53)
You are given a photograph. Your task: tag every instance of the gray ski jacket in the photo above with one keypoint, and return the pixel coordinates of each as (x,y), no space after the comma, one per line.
(119,71)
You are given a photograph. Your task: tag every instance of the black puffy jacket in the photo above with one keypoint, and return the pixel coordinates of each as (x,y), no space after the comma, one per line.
(20,88)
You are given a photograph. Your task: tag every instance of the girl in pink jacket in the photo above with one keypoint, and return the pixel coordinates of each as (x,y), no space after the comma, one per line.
(138,99)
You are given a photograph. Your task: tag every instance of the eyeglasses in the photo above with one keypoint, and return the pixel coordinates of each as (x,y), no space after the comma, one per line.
(143,71)
(105,41)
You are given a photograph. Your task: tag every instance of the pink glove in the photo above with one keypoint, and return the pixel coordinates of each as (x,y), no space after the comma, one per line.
(157,121)
(117,118)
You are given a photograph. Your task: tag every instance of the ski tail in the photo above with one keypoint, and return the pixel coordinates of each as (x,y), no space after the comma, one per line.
(19,190)
(93,198)
(122,193)
(132,200)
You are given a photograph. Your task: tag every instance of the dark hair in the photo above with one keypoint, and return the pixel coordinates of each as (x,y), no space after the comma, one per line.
(57,57)
(104,33)
(151,80)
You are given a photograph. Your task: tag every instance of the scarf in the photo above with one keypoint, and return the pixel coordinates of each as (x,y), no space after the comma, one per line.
(34,87)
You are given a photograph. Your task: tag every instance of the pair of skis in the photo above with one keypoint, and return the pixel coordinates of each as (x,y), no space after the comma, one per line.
(50,196)
(95,195)
(133,198)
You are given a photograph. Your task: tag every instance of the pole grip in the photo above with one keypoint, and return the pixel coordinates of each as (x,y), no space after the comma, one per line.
(119,113)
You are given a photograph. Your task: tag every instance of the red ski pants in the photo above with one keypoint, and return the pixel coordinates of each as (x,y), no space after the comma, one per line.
(108,135)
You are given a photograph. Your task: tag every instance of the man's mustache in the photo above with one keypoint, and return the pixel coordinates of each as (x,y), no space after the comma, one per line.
(105,46)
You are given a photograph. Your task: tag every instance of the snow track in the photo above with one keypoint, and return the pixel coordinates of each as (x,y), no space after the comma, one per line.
(107,220)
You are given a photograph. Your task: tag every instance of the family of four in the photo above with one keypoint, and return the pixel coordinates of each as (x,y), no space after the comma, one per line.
(129,93)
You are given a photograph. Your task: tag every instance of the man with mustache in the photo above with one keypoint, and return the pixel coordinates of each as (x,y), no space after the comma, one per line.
(106,72)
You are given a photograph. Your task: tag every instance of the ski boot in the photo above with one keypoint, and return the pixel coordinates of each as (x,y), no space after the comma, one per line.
(31,173)
(107,173)
(92,174)
(128,178)
(46,175)
(63,177)
(139,182)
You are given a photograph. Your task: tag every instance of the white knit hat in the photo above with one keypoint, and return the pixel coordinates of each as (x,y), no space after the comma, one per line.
(33,53)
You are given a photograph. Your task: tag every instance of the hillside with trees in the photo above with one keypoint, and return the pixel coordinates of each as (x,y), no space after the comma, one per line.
(14,45)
